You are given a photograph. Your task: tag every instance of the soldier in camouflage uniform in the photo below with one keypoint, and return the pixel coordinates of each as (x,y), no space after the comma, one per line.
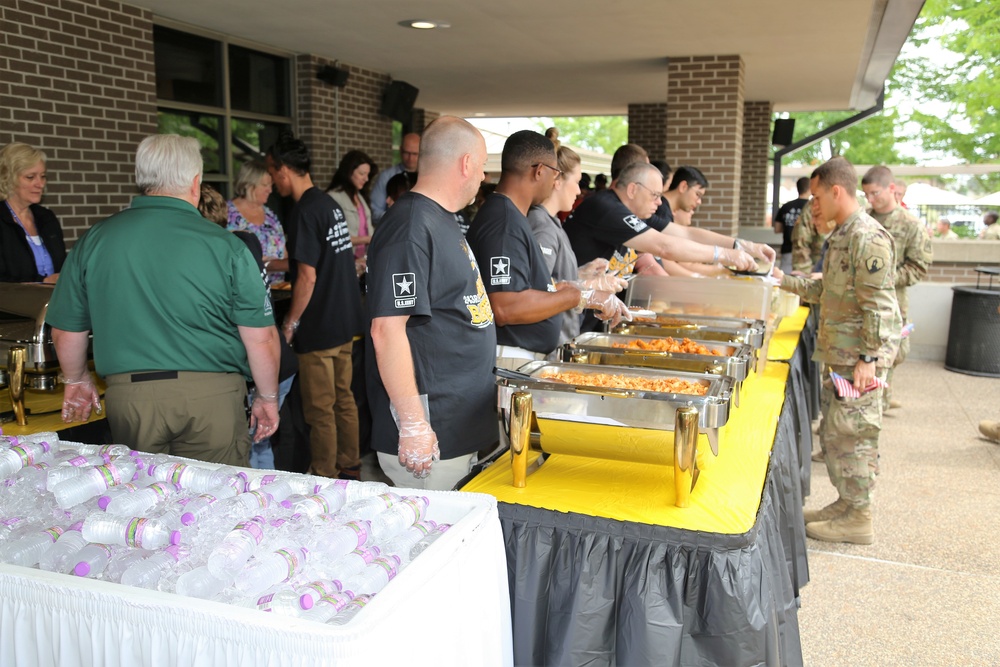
(858,339)
(913,249)
(806,241)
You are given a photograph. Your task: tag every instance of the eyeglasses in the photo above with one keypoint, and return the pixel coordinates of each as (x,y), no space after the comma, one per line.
(559,172)
(656,195)
(874,194)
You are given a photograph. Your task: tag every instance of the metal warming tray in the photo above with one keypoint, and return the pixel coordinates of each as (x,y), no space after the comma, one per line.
(732,359)
(722,329)
(741,297)
(609,422)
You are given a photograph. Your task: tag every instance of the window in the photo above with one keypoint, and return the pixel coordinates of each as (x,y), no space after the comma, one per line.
(233,99)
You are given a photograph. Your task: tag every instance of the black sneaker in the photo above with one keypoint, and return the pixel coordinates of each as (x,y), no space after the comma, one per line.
(353,473)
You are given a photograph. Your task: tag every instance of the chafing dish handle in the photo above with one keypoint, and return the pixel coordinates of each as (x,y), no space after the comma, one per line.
(685,454)
(520,436)
(15,370)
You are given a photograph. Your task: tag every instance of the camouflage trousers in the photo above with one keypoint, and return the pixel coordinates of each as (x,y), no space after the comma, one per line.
(904,349)
(849,438)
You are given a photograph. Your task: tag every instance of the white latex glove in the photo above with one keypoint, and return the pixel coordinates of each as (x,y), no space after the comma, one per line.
(594,275)
(608,306)
(418,443)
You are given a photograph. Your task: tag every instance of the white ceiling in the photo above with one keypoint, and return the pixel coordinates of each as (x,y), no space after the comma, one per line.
(580,57)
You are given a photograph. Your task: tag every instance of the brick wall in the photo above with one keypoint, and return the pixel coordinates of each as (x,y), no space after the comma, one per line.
(962,273)
(77,81)
(705,130)
(753,173)
(422,118)
(647,127)
(361,127)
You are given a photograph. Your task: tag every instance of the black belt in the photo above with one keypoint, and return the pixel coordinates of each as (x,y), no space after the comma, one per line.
(155,375)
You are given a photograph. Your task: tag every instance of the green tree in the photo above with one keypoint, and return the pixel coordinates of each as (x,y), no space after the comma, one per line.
(603,134)
(871,141)
(964,88)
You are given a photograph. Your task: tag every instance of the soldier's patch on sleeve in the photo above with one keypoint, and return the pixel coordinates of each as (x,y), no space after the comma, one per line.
(874,263)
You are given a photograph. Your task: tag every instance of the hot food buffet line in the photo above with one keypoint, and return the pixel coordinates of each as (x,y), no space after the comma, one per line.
(650,503)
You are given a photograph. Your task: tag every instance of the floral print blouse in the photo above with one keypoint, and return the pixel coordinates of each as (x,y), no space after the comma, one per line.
(270,234)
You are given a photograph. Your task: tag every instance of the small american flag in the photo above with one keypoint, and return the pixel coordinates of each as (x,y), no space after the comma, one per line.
(845,388)
(907,330)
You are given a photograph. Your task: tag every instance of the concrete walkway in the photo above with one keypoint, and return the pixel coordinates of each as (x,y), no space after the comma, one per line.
(928,591)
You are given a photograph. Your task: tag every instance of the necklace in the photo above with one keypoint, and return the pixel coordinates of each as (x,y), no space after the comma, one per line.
(34,238)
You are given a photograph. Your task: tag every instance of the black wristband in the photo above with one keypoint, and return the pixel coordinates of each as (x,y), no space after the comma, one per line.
(868,359)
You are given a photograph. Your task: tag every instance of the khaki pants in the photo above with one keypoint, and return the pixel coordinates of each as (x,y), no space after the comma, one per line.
(329,409)
(196,415)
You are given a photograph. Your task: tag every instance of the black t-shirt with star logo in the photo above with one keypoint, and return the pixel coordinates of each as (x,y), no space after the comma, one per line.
(318,236)
(420,265)
(512,261)
(600,227)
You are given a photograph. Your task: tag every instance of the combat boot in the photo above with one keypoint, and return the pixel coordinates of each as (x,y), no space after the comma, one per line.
(831,511)
(853,527)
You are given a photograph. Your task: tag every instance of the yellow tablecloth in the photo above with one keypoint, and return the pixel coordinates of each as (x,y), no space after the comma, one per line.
(46,409)
(725,499)
(786,338)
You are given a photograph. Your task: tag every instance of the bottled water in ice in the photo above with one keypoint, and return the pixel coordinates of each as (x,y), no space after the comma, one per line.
(23,454)
(93,481)
(128,531)
(368,508)
(425,542)
(284,602)
(351,610)
(271,569)
(374,577)
(403,542)
(108,450)
(227,559)
(280,486)
(26,551)
(399,517)
(92,560)
(328,606)
(59,556)
(147,572)
(347,566)
(200,506)
(314,590)
(33,476)
(326,501)
(136,504)
(193,478)
(123,560)
(343,539)
(121,490)
(246,504)
(43,436)
(201,583)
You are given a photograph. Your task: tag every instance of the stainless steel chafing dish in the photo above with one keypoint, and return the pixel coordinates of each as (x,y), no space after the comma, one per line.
(722,329)
(729,358)
(555,417)
(26,342)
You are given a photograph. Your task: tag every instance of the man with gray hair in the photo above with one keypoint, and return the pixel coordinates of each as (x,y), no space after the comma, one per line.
(180,320)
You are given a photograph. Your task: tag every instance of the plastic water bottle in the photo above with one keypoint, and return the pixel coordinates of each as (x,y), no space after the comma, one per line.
(425,542)
(33,476)
(193,478)
(110,450)
(201,583)
(399,517)
(147,572)
(374,577)
(284,602)
(280,486)
(343,539)
(275,567)
(401,543)
(123,560)
(136,504)
(121,490)
(24,454)
(347,566)
(328,606)
(59,555)
(351,610)
(92,482)
(227,559)
(326,501)
(199,507)
(314,590)
(92,560)
(368,508)
(246,504)
(26,551)
(128,531)
(43,436)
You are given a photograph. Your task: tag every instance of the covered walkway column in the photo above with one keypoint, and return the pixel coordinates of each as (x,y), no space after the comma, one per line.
(756,155)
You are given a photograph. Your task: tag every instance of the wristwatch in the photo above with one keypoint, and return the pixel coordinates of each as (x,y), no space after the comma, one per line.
(868,359)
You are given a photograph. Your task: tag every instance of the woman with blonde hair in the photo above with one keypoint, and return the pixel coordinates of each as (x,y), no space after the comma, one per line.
(248,212)
(31,240)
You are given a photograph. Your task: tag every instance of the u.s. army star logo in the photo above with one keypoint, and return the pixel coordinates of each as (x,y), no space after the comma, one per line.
(875,264)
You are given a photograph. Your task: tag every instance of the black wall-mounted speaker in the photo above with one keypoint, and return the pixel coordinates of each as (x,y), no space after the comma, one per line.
(784,131)
(398,101)
(333,76)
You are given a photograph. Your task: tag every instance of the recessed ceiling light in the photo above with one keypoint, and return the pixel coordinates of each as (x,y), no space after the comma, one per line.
(424,24)
(479,114)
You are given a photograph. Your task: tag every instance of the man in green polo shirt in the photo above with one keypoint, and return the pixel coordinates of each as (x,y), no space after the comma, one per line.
(179,315)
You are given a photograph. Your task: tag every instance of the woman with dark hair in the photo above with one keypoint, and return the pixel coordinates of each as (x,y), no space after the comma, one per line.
(31,239)
(348,187)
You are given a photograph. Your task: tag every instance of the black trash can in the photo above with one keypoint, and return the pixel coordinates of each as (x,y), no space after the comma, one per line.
(974,331)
